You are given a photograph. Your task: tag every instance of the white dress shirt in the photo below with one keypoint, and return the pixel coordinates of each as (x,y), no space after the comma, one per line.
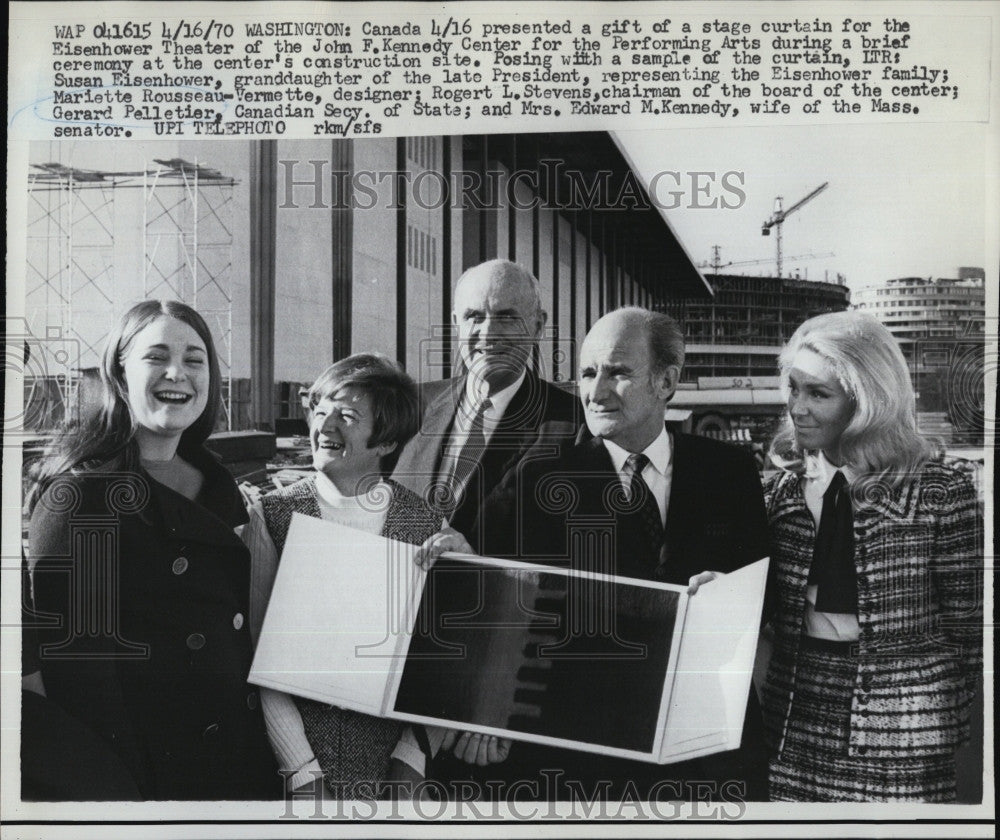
(473,396)
(657,473)
(836,627)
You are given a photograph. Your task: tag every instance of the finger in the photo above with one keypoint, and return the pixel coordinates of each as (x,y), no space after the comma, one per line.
(423,556)
(431,550)
(450,736)
(456,541)
(698,580)
(459,749)
(503,748)
(472,748)
(493,751)
(483,758)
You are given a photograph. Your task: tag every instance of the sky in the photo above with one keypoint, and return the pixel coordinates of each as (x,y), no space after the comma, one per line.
(903,200)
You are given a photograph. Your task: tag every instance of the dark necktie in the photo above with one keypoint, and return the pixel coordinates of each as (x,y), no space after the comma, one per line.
(647,511)
(457,469)
(832,570)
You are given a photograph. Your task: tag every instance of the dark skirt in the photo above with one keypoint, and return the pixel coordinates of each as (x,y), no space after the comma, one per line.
(814,765)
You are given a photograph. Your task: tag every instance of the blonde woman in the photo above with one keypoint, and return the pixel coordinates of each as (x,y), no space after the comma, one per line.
(876,545)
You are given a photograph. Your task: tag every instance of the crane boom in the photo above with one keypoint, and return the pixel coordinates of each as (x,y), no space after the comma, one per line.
(780,214)
(809,197)
(716,262)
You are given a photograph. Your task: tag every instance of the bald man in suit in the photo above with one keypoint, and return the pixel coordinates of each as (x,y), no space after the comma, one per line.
(477,426)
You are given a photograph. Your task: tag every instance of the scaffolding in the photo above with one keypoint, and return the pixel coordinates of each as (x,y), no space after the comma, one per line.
(188,253)
(72,297)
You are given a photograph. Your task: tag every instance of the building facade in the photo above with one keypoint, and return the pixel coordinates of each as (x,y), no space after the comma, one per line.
(916,309)
(940,326)
(303,251)
(730,377)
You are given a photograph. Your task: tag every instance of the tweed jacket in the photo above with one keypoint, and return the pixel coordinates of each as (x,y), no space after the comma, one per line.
(350,747)
(539,413)
(407,519)
(918,558)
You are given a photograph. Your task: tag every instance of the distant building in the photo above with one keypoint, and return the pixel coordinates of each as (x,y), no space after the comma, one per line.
(916,308)
(730,377)
(940,325)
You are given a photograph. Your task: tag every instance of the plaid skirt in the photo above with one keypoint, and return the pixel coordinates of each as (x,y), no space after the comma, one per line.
(814,765)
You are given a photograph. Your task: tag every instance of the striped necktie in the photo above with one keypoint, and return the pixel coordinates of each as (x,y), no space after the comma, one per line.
(647,511)
(457,469)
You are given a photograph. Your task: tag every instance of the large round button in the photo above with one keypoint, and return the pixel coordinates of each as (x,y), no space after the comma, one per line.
(252,700)
(180,565)
(196,641)
(237,621)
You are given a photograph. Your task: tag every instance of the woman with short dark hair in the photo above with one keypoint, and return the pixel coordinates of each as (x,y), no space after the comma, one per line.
(876,547)
(363,411)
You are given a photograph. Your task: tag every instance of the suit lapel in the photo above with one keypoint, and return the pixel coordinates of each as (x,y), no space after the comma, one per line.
(594,473)
(511,437)
(187,520)
(438,420)
(788,499)
(516,429)
(593,456)
(685,508)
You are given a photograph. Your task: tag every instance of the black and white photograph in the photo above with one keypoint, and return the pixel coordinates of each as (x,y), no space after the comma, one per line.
(649,349)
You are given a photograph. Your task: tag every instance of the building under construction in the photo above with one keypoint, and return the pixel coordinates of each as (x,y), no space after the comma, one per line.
(730,377)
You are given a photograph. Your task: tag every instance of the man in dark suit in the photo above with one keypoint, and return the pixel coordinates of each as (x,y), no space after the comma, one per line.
(477,426)
(676,506)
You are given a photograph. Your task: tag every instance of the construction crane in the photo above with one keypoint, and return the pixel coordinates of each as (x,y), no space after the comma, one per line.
(716,262)
(779,216)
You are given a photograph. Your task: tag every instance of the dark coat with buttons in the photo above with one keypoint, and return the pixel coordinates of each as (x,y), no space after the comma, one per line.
(920,611)
(144,596)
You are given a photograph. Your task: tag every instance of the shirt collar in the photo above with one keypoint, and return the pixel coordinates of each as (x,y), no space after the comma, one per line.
(658,452)
(476,392)
(821,471)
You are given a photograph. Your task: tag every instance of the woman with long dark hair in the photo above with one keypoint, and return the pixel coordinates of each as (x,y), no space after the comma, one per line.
(140,578)
(876,548)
